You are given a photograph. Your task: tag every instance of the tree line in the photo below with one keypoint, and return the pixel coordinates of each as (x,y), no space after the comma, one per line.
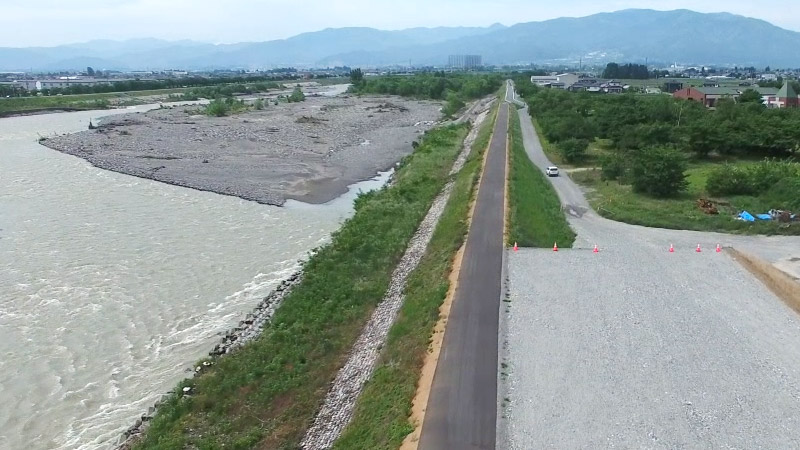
(652,137)
(626,71)
(454,88)
(145,85)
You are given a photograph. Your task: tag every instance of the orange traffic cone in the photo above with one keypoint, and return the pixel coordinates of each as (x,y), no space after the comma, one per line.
(595,249)
(671,248)
(698,248)
(515,246)
(719,250)
(555,246)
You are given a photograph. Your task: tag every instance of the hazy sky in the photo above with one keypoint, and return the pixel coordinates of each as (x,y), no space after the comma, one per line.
(52,22)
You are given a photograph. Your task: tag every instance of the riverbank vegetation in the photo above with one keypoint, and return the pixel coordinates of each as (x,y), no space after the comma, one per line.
(655,158)
(50,101)
(267,393)
(381,416)
(535,215)
(30,105)
(454,88)
(130,86)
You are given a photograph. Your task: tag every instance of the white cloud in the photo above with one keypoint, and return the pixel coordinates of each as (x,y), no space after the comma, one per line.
(51,22)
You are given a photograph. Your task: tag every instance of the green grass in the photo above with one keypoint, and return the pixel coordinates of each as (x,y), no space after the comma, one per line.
(381,416)
(266,394)
(536,218)
(618,202)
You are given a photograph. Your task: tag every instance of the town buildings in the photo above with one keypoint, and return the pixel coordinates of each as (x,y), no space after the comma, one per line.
(562,81)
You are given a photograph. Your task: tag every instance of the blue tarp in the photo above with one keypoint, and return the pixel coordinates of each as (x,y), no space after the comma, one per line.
(764,216)
(744,215)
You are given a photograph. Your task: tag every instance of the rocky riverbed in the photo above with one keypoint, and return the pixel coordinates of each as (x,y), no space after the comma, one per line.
(309,151)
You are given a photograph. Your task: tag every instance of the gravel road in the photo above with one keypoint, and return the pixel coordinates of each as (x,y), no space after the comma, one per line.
(636,347)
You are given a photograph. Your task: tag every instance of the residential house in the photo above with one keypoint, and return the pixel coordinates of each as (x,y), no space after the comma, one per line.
(586,84)
(612,87)
(787,97)
(710,96)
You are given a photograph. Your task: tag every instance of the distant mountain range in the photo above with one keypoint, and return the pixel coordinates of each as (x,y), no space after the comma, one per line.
(626,36)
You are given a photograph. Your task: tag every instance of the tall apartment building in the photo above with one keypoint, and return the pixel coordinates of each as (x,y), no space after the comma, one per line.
(464,61)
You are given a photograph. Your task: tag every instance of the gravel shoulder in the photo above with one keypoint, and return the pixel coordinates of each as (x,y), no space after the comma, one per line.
(632,349)
(637,347)
(309,151)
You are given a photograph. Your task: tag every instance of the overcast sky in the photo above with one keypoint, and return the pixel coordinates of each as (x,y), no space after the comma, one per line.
(53,22)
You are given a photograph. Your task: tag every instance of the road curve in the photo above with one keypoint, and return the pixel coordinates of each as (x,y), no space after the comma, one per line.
(462,407)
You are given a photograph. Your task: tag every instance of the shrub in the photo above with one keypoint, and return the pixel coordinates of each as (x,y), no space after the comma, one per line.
(454,103)
(218,108)
(751,179)
(659,172)
(297,95)
(259,104)
(785,194)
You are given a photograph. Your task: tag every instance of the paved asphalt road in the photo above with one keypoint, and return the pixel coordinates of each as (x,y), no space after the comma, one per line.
(462,408)
(636,347)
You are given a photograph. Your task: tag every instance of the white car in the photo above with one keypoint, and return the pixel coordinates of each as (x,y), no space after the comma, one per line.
(552,171)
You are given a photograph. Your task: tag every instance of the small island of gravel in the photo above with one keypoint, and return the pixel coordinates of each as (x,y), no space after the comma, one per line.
(309,151)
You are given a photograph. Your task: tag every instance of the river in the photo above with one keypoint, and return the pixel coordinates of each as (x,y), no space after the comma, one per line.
(111,286)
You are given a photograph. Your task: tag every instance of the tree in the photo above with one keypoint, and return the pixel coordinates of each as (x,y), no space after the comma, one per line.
(750,96)
(659,172)
(90,71)
(573,149)
(612,71)
(357,77)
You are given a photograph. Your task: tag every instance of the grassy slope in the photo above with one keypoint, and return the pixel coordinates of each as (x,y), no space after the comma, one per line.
(381,416)
(618,202)
(536,218)
(266,394)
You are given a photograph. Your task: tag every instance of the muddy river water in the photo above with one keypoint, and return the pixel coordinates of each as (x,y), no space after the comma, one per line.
(112,286)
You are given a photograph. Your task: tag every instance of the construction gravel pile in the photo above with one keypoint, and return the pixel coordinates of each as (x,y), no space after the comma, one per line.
(309,151)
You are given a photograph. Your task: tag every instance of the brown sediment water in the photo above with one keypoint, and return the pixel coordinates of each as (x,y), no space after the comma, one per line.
(112,286)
